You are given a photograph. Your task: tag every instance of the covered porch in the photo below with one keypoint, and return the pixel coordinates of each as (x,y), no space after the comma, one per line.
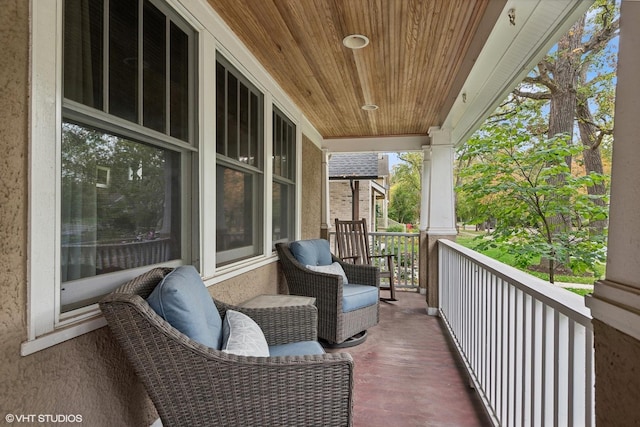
(463,57)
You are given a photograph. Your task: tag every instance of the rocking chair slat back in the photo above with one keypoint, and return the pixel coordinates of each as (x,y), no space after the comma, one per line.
(352,238)
(353,241)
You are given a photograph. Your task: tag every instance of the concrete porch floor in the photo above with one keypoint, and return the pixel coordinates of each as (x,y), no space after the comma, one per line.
(407,374)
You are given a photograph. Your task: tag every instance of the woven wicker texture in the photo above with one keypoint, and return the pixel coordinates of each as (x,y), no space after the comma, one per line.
(194,385)
(334,326)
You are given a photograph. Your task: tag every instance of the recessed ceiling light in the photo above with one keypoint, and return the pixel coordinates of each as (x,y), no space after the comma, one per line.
(369,107)
(355,41)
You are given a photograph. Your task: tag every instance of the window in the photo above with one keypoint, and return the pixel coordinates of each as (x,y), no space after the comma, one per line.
(127,144)
(114,155)
(239,166)
(284,173)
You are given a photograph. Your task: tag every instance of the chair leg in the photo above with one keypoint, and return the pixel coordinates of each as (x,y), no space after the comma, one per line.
(392,287)
(392,291)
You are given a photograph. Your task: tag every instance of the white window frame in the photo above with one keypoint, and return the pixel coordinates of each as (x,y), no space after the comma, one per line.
(258,173)
(291,183)
(46,324)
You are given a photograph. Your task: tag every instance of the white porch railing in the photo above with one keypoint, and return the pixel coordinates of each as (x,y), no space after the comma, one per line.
(527,345)
(405,250)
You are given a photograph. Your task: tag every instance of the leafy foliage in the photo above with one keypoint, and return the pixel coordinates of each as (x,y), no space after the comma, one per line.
(404,205)
(512,178)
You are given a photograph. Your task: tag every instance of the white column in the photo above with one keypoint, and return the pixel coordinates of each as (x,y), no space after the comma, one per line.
(423,268)
(441,207)
(325,225)
(426,186)
(385,210)
(440,212)
(616,300)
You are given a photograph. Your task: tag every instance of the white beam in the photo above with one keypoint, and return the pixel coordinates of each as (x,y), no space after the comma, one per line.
(384,144)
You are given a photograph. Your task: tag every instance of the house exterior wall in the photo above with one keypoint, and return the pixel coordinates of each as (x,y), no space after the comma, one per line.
(311,203)
(88,375)
(340,202)
(617,377)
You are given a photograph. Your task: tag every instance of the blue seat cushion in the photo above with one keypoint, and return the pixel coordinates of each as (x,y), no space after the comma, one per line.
(311,252)
(182,299)
(301,348)
(358,296)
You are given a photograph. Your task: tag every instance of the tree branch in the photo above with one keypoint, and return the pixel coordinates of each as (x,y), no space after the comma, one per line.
(601,38)
(532,95)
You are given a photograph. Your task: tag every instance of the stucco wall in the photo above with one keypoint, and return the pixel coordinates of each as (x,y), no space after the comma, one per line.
(617,377)
(311,210)
(87,375)
(263,280)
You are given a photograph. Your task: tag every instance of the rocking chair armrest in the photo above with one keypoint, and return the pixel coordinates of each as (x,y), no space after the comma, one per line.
(389,258)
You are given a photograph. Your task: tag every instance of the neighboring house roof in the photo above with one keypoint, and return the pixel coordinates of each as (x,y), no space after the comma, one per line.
(359,166)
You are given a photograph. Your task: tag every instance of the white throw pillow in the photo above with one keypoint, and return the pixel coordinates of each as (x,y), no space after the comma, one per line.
(242,336)
(334,268)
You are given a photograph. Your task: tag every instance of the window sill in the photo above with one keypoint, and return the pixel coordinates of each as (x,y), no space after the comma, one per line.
(97,321)
(63,334)
(232,270)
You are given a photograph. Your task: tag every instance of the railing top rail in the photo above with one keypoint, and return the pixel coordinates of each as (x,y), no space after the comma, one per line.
(387,233)
(393,233)
(568,303)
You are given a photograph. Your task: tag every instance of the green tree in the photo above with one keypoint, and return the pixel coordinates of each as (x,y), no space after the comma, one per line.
(512,176)
(404,204)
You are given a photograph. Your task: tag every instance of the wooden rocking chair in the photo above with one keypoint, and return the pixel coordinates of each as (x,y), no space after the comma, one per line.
(353,247)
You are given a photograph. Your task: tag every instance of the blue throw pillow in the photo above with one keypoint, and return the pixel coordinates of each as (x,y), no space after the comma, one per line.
(311,252)
(183,301)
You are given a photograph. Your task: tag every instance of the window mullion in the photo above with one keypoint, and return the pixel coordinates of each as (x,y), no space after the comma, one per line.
(140,63)
(238,130)
(292,155)
(167,76)
(105,56)
(249,130)
(226,113)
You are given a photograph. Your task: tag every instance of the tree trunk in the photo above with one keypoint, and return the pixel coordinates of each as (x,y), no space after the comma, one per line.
(562,110)
(592,157)
(565,73)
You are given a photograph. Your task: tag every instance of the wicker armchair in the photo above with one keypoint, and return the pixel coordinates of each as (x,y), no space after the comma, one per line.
(195,385)
(334,325)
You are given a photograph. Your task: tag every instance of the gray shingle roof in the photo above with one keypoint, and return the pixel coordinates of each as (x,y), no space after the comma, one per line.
(360,165)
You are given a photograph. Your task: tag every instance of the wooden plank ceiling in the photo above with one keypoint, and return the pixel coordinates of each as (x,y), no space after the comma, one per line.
(410,68)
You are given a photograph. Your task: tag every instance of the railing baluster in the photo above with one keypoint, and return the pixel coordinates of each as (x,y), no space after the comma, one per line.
(537,363)
(589,397)
(528,346)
